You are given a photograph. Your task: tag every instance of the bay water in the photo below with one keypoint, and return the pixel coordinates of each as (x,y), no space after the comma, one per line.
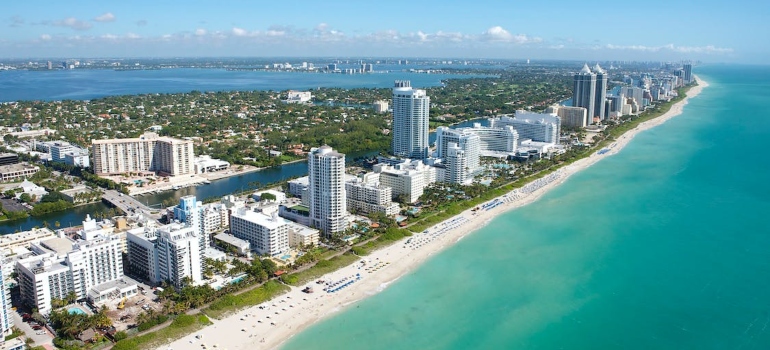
(665,245)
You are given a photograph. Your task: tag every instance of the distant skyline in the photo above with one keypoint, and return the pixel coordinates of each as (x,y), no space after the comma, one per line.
(710,31)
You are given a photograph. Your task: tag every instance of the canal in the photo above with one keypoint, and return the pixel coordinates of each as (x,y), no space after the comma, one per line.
(218,188)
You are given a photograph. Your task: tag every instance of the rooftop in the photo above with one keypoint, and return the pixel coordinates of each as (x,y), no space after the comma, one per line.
(230,239)
(60,246)
(269,222)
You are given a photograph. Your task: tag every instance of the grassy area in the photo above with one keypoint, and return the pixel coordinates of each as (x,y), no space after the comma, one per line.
(181,326)
(231,303)
(321,268)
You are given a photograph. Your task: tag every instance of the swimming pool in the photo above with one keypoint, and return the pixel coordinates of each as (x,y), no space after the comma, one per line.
(76,310)
(286,257)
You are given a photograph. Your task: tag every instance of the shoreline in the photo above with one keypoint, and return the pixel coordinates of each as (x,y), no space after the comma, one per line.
(289,314)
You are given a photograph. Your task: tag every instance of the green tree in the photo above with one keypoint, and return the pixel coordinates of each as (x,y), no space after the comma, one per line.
(26,198)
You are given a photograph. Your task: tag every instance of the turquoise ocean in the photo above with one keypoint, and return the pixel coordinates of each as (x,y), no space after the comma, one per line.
(665,245)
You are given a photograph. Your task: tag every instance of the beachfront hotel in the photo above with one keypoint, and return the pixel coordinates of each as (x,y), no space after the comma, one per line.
(367,195)
(266,234)
(466,141)
(539,127)
(408,178)
(167,253)
(410,121)
(149,152)
(458,167)
(62,266)
(572,117)
(326,190)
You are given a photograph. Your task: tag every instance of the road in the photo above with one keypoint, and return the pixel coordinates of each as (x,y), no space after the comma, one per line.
(129,204)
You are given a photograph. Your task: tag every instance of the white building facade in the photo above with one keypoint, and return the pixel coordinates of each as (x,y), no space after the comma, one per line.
(538,127)
(267,234)
(326,190)
(410,121)
(89,264)
(367,198)
(408,178)
(168,253)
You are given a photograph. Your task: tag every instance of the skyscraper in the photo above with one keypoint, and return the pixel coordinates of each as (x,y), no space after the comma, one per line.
(326,170)
(584,92)
(687,73)
(601,93)
(6,321)
(410,121)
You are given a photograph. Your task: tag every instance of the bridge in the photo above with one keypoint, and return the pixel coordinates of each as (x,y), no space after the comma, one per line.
(130,205)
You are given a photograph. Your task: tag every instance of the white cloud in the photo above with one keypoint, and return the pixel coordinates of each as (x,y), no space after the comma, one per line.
(72,22)
(200,32)
(240,32)
(105,17)
(500,34)
(109,36)
(130,35)
(45,37)
(275,33)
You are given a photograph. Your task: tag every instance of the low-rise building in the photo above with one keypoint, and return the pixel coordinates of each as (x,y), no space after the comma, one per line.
(224,240)
(78,159)
(298,96)
(206,164)
(302,236)
(298,213)
(12,241)
(16,171)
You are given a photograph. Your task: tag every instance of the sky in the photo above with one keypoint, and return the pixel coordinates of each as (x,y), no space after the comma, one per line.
(706,30)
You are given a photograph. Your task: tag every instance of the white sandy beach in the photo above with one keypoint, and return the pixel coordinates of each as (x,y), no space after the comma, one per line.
(268,327)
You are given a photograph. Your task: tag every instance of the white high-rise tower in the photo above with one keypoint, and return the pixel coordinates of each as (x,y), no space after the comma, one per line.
(410,121)
(326,170)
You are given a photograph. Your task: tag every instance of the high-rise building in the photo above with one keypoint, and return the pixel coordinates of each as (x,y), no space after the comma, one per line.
(687,73)
(149,152)
(538,127)
(463,138)
(179,256)
(6,321)
(573,117)
(458,170)
(410,121)
(168,253)
(584,91)
(601,93)
(79,267)
(326,190)
(190,212)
